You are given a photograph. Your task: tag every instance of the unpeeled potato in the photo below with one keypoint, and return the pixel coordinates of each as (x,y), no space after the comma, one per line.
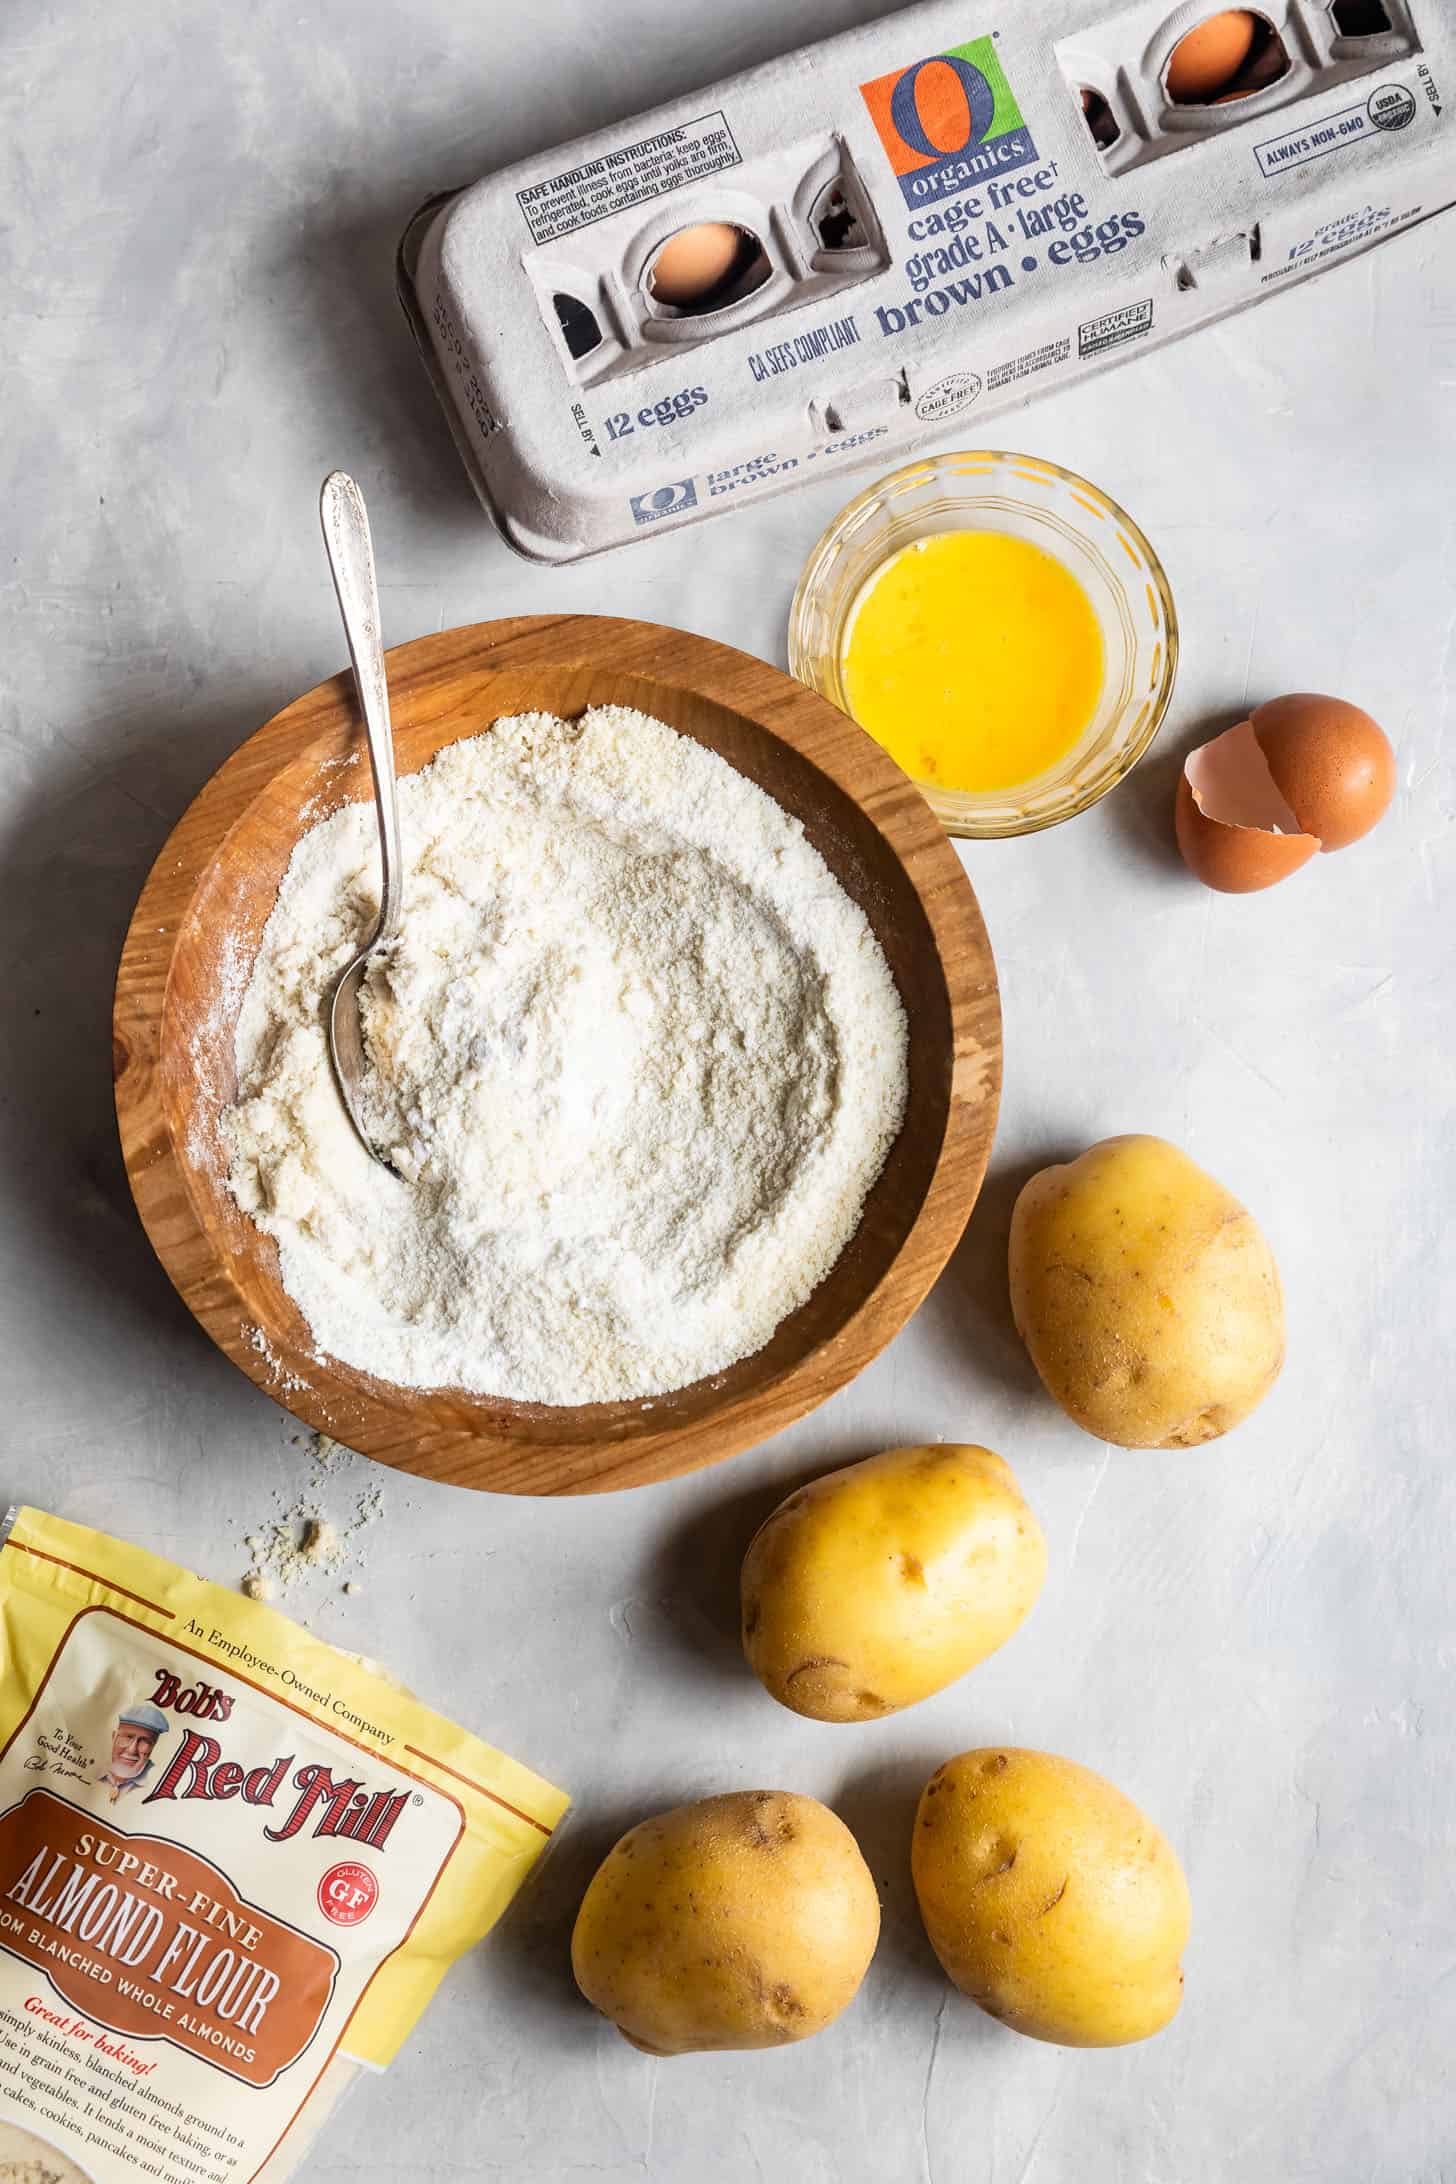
(881,1583)
(1049,1898)
(741,1921)
(1146,1295)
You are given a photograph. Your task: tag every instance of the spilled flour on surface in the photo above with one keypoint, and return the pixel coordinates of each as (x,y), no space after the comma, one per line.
(299,1540)
(638,1057)
(331,1455)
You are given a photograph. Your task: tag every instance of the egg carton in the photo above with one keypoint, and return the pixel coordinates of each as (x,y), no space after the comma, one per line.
(831,258)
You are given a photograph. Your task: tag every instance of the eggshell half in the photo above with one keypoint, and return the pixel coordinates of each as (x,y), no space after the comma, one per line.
(1332,764)
(1235,829)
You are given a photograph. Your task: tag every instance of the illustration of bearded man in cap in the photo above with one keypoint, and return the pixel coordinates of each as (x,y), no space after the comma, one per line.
(133,1741)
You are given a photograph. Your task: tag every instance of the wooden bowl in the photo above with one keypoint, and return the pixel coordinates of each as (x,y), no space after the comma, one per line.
(190,950)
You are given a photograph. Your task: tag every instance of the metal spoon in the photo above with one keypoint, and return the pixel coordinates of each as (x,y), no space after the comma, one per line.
(351,558)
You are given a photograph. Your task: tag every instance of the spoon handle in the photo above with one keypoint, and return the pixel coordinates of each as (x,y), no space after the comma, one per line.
(351,558)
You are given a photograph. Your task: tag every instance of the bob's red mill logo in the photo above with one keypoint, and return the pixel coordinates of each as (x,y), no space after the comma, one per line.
(311,1796)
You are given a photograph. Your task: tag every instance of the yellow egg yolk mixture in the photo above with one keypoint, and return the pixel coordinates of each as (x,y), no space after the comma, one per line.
(974,658)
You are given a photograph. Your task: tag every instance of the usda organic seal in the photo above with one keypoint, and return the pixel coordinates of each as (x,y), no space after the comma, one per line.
(1392,106)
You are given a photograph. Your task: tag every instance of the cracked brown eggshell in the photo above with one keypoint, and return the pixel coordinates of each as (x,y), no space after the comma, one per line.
(1146,1295)
(741,1921)
(1332,764)
(879,1584)
(1049,1898)
(1304,773)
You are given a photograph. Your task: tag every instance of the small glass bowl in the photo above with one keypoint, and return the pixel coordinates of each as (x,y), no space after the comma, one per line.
(1048,507)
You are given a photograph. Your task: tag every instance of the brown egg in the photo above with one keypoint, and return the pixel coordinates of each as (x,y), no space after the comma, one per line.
(1303,774)
(695,261)
(1330,762)
(1206,60)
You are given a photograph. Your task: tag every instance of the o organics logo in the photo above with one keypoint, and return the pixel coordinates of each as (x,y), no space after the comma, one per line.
(668,500)
(949,121)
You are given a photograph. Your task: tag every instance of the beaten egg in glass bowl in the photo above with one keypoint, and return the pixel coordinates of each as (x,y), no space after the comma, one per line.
(1016,683)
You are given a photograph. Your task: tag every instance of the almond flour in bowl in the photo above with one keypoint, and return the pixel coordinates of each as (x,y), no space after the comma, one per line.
(639,1059)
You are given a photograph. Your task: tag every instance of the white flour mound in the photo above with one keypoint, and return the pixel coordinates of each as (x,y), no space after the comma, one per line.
(637,1053)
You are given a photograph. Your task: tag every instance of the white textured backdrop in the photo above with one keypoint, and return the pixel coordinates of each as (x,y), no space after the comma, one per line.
(1257,1641)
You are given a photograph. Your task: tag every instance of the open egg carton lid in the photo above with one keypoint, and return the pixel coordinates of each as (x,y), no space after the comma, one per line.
(833,256)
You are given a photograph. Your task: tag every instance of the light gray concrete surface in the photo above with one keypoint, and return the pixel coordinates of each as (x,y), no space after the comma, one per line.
(1257,1641)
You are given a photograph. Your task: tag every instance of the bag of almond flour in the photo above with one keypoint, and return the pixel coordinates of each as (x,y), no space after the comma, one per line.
(234,1864)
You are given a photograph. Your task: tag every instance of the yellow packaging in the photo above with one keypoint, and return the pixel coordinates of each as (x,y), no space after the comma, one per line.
(234,1865)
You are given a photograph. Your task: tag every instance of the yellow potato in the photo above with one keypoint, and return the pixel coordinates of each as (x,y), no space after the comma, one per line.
(881,1583)
(1050,1899)
(1146,1295)
(743,1921)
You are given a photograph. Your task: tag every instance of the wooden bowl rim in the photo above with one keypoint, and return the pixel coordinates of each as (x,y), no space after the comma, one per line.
(371,1423)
